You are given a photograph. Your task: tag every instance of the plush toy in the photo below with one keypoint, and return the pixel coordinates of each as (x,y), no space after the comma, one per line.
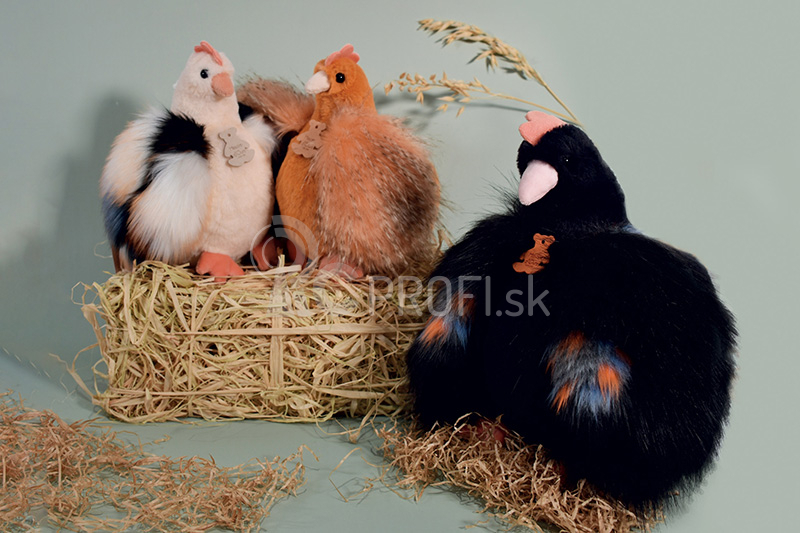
(192,184)
(608,347)
(359,187)
(287,110)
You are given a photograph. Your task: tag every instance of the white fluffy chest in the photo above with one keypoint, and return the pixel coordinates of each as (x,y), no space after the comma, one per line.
(240,200)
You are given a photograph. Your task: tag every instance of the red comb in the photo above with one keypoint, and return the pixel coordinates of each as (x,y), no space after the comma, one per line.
(207,48)
(346,52)
(537,125)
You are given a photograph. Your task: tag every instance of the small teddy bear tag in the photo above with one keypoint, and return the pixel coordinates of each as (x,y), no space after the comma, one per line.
(237,150)
(536,258)
(309,143)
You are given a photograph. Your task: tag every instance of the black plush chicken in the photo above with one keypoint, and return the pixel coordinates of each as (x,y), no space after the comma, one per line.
(609,347)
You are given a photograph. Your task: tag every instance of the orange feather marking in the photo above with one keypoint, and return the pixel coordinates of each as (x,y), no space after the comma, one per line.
(434,331)
(562,396)
(571,344)
(622,355)
(462,306)
(609,380)
(568,347)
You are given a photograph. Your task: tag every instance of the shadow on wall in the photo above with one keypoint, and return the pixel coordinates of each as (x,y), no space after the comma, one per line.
(39,317)
(420,116)
(416,116)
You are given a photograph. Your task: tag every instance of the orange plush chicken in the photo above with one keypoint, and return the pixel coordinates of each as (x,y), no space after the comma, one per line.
(357,190)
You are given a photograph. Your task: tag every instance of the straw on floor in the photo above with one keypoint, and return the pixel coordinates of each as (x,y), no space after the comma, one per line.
(79,477)
(516,482)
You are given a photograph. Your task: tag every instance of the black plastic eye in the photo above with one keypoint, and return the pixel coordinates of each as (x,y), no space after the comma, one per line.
(339,77)
(204,73)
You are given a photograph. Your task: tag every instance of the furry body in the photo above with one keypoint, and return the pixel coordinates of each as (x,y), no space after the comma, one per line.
(616,355)
(192,179)
(173,181)
(363,188)
(377,192)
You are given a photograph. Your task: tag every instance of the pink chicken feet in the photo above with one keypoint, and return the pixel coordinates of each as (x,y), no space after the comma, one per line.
(221,266)
(266,255)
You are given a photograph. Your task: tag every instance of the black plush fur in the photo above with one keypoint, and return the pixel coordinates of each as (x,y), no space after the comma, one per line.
(656,304)
(115,217)
(175,134)
(178,133)
(244,111)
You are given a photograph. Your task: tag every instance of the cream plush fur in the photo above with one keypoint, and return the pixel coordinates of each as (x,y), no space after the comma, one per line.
(193,204)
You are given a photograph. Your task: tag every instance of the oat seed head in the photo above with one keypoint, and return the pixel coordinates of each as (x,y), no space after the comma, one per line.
(495,54)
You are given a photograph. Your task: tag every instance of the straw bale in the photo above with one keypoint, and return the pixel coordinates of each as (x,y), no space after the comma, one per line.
(283,345)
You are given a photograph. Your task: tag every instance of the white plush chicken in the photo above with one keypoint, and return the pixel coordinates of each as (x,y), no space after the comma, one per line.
(192,184)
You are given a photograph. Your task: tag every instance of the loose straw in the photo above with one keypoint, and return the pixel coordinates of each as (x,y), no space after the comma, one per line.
(517,483)
(78,477)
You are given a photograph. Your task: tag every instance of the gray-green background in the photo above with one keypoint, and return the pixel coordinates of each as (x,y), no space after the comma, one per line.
(694,105)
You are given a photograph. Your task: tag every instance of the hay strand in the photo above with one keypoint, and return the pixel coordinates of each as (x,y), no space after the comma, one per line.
(516,482)
(283,344)
(83,479)
(494,52)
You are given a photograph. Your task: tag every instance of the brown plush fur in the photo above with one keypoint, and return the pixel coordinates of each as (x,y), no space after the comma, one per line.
(370,194)
(355,91)
(297,194)
(378,192)
(283,105)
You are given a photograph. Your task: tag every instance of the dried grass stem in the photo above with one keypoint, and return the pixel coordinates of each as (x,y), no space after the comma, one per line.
(494,52)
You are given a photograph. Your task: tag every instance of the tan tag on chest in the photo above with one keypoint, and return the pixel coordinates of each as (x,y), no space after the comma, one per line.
(308,144)
(237,151)
(536,258)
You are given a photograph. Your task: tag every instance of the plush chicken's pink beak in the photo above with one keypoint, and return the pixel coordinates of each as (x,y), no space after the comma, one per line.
(318,83)
(538,179)
(222,85)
